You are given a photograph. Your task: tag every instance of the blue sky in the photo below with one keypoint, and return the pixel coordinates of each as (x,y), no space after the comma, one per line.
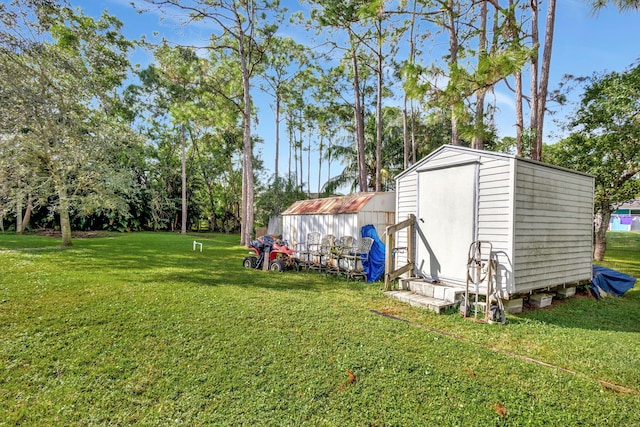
(584,43)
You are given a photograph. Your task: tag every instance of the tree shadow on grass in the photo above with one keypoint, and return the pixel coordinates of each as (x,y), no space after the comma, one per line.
(172,259)
(286,281)
(619,314)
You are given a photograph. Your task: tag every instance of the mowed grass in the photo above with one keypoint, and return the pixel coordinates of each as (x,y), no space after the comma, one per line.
(137,329)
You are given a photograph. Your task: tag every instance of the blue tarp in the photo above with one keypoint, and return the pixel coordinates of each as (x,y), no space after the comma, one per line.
(374,268)
(610,281)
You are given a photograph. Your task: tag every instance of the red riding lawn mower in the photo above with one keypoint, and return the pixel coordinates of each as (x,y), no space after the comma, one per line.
(280,255)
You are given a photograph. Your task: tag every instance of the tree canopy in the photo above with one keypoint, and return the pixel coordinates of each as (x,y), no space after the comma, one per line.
(63,127)
(367,89)
(605,142)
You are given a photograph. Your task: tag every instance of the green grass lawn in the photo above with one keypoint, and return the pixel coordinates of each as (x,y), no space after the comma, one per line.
(137,329)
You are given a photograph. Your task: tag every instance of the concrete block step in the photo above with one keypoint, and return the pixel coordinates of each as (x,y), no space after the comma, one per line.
(417,300)
(437,290)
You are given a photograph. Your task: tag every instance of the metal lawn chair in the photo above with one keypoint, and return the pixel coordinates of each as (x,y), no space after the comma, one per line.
(304,250)
(356,258)
(320,257)
(337,264)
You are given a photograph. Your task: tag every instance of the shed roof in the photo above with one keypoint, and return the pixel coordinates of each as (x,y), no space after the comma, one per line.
(351,203)
(494,154)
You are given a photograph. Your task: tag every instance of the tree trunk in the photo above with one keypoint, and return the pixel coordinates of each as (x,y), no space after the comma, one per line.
(519,115)
(65,222)
(309,165)
(453,64)
(183,176)
(277,134)
(412,133)
(27,214)
(514,32)
(535,43)
(378,184)
(320,153)
(19,201)
(412,57)
(247,185)
(359,121)
(291,142)
(600,243)
(405,134)
(544,76)
(300,157)
(478,137)
(329,148)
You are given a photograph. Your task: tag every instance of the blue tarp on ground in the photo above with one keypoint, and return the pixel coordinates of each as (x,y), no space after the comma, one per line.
(374,268)
(610,281)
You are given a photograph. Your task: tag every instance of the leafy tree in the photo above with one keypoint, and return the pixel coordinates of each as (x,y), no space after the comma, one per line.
(279,194)
(179,68)
(484,48)
(431,132)
(351,18)
(285,60)
(243,30)
(605,142)
(59,75)
(193,125)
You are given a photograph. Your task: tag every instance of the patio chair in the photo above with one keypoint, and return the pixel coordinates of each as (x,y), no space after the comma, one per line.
(344,245)
(357,257)
(320,257)
(303,250)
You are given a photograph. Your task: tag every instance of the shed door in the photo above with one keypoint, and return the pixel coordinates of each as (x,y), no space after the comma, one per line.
(447,212)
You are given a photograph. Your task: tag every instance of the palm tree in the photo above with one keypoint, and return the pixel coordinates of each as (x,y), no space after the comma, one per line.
(622,5)
(391,162)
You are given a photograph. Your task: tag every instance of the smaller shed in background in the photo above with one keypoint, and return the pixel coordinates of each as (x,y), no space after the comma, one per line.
(339,216)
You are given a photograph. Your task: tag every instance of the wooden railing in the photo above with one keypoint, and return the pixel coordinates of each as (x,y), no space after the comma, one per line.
(389,274)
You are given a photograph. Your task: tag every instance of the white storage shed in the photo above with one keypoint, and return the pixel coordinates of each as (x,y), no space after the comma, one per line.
(340,215)
(538,217)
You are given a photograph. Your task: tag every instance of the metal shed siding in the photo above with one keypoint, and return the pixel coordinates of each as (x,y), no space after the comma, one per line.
(406,204)
(296,227)
(495,214)
(380,212)
(343,225)
(539,218)
(553,227)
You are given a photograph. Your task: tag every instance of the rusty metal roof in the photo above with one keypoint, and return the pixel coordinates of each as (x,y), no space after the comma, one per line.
(351,203)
